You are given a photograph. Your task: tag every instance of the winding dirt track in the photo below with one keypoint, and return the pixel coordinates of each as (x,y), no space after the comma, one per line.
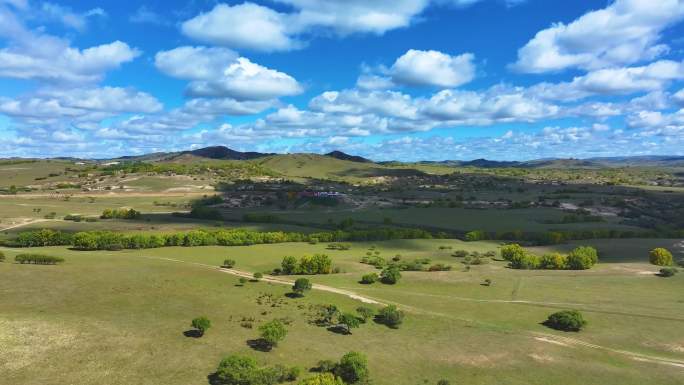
(542,337)
(30,222)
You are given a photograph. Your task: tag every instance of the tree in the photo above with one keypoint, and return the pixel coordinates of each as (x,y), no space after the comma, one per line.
(391,316)
(660,256)
(228,263)
(236,370)
(582,258)
(390,275)
(322,379)
(202,324)
(365,312)
(353,368)
(272,332)
(349,321)
(258,276)
(300,286)
(369,278)
(289,265)
(566,320)
(512,251)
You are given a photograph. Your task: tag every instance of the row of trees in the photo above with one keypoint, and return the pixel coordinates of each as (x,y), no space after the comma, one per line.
(38,259)
(120,214)
(581,258)
(306,265)
(558,237)
(107,240)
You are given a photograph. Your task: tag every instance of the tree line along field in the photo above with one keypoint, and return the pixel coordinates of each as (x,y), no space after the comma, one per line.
(118,317)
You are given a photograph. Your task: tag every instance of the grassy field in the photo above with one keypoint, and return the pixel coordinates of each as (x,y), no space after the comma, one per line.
(119,317)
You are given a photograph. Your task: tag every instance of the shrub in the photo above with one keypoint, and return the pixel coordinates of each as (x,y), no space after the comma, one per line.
(257,276)
(660,256)
(228,263)
(668,271)
(38,259)
(202,324)
(365,312)
(318,264)
(390,275)
(272,332)
(439,267)
(369,278)
(120,214)
(582,258)
(460,254)
(488,282)
(524,261)
(300,286)
(237,370)
(349,321)
(554,261)
(566,320)
(391,316)
(2,256)
(242,281)
(512,251)
(322,379)
(326,366)
(353,368)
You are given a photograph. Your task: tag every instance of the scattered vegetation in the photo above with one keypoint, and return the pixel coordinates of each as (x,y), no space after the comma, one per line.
(566,320)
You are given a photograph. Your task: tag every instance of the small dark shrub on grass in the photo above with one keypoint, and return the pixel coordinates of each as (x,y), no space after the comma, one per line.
(668,271)
(202,324)
(390,275)
(300,286)
(566,320)
(228,263)
(390,316)
(368,279)
(365,313)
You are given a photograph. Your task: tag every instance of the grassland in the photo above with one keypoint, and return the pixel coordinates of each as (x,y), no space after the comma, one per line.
(118,317)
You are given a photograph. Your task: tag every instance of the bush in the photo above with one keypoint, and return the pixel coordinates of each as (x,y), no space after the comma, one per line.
(38,259)
(257,276)
(582,258)
(237,370)
(322,379)
(391,316)
(668,271)
(566,320)
(273,332)
(353,368)
(512,251)
(300,286)
(460,254)
(202,324)
(660,256)
(228,263)
(2,256)
(553,261)
(365,312)
(369,278)
(390,275)
(476,235)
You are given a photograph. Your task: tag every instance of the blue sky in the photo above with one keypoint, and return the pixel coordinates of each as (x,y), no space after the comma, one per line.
(386,79)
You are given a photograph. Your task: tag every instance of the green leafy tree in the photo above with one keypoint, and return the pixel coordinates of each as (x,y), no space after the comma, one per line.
(322,379)
(289,265)
(228,263)
(512,252)
(202,324)
(582,258)
(660,256)
(353,368)
(237,370)
(300,286)
(348,321)
(566,320)
(273,332)
(390,275)
(391,316)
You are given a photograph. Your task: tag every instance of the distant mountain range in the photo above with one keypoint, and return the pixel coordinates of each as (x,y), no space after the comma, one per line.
(225,153)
